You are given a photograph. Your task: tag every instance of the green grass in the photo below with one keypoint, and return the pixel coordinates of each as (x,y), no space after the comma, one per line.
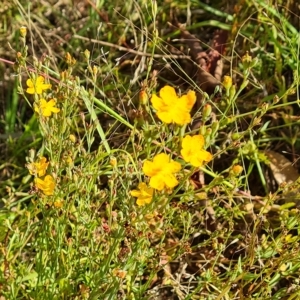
(219,234)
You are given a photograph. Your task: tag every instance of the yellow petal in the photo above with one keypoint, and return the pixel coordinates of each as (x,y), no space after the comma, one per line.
(48,192)
(46,86)
(196,158)
(186,154)
(145,189)
(196,161)
(43,103)
(158,103)
(43,160)
(170,180)
(135,193)
(186,141)
(161,160)
(49,180)
(149,168)
(30,91)
(168,94)
(46,112)
(157,182)
(46,186)
(55,110)
(205,155)
(165,117)
(140,202)
(144,196)
(40,184)
(191,99)
(142,186)
(29,83)
(197,142)
(40,80)
(51,102)
(183,103)
(143,201)
(181,117)
(172,167)
(148,200)
(186,102)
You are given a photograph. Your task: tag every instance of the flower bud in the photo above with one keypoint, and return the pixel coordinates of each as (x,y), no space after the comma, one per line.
(206,111)
(143,97)
(75,178)
(72,138)
(215,127)
(244,84)
(69,160)
(113,161)
(95,70)
(235,136)
(64,75)
(276,99)
(23,31)
(154,8)
(227,82)
(71,61)
(87,54)
(202,196)
(236,170)
(232,92)
(246,59)
(202,130)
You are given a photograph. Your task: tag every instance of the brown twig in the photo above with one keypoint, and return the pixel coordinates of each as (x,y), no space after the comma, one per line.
(32,70)
(121,48)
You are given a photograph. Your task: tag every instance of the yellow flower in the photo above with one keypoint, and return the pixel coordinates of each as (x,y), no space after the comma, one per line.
(247,58)
(119,273)
(37,86)
(172,109)
(161,171)
(58,203)
(38,168)
(227,82)
(192,150)
(46,186)
(46,108)
(236,170)
(23,31)
(144,194)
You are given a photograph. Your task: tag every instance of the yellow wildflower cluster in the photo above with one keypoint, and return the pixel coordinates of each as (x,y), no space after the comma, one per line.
(37,87)
(38,169)
(162,169)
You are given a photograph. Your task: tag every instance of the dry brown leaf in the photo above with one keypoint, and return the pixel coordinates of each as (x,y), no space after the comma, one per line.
(284,172)
(282,168)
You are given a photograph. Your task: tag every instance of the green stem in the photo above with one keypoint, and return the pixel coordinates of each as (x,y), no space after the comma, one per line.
(214,175)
